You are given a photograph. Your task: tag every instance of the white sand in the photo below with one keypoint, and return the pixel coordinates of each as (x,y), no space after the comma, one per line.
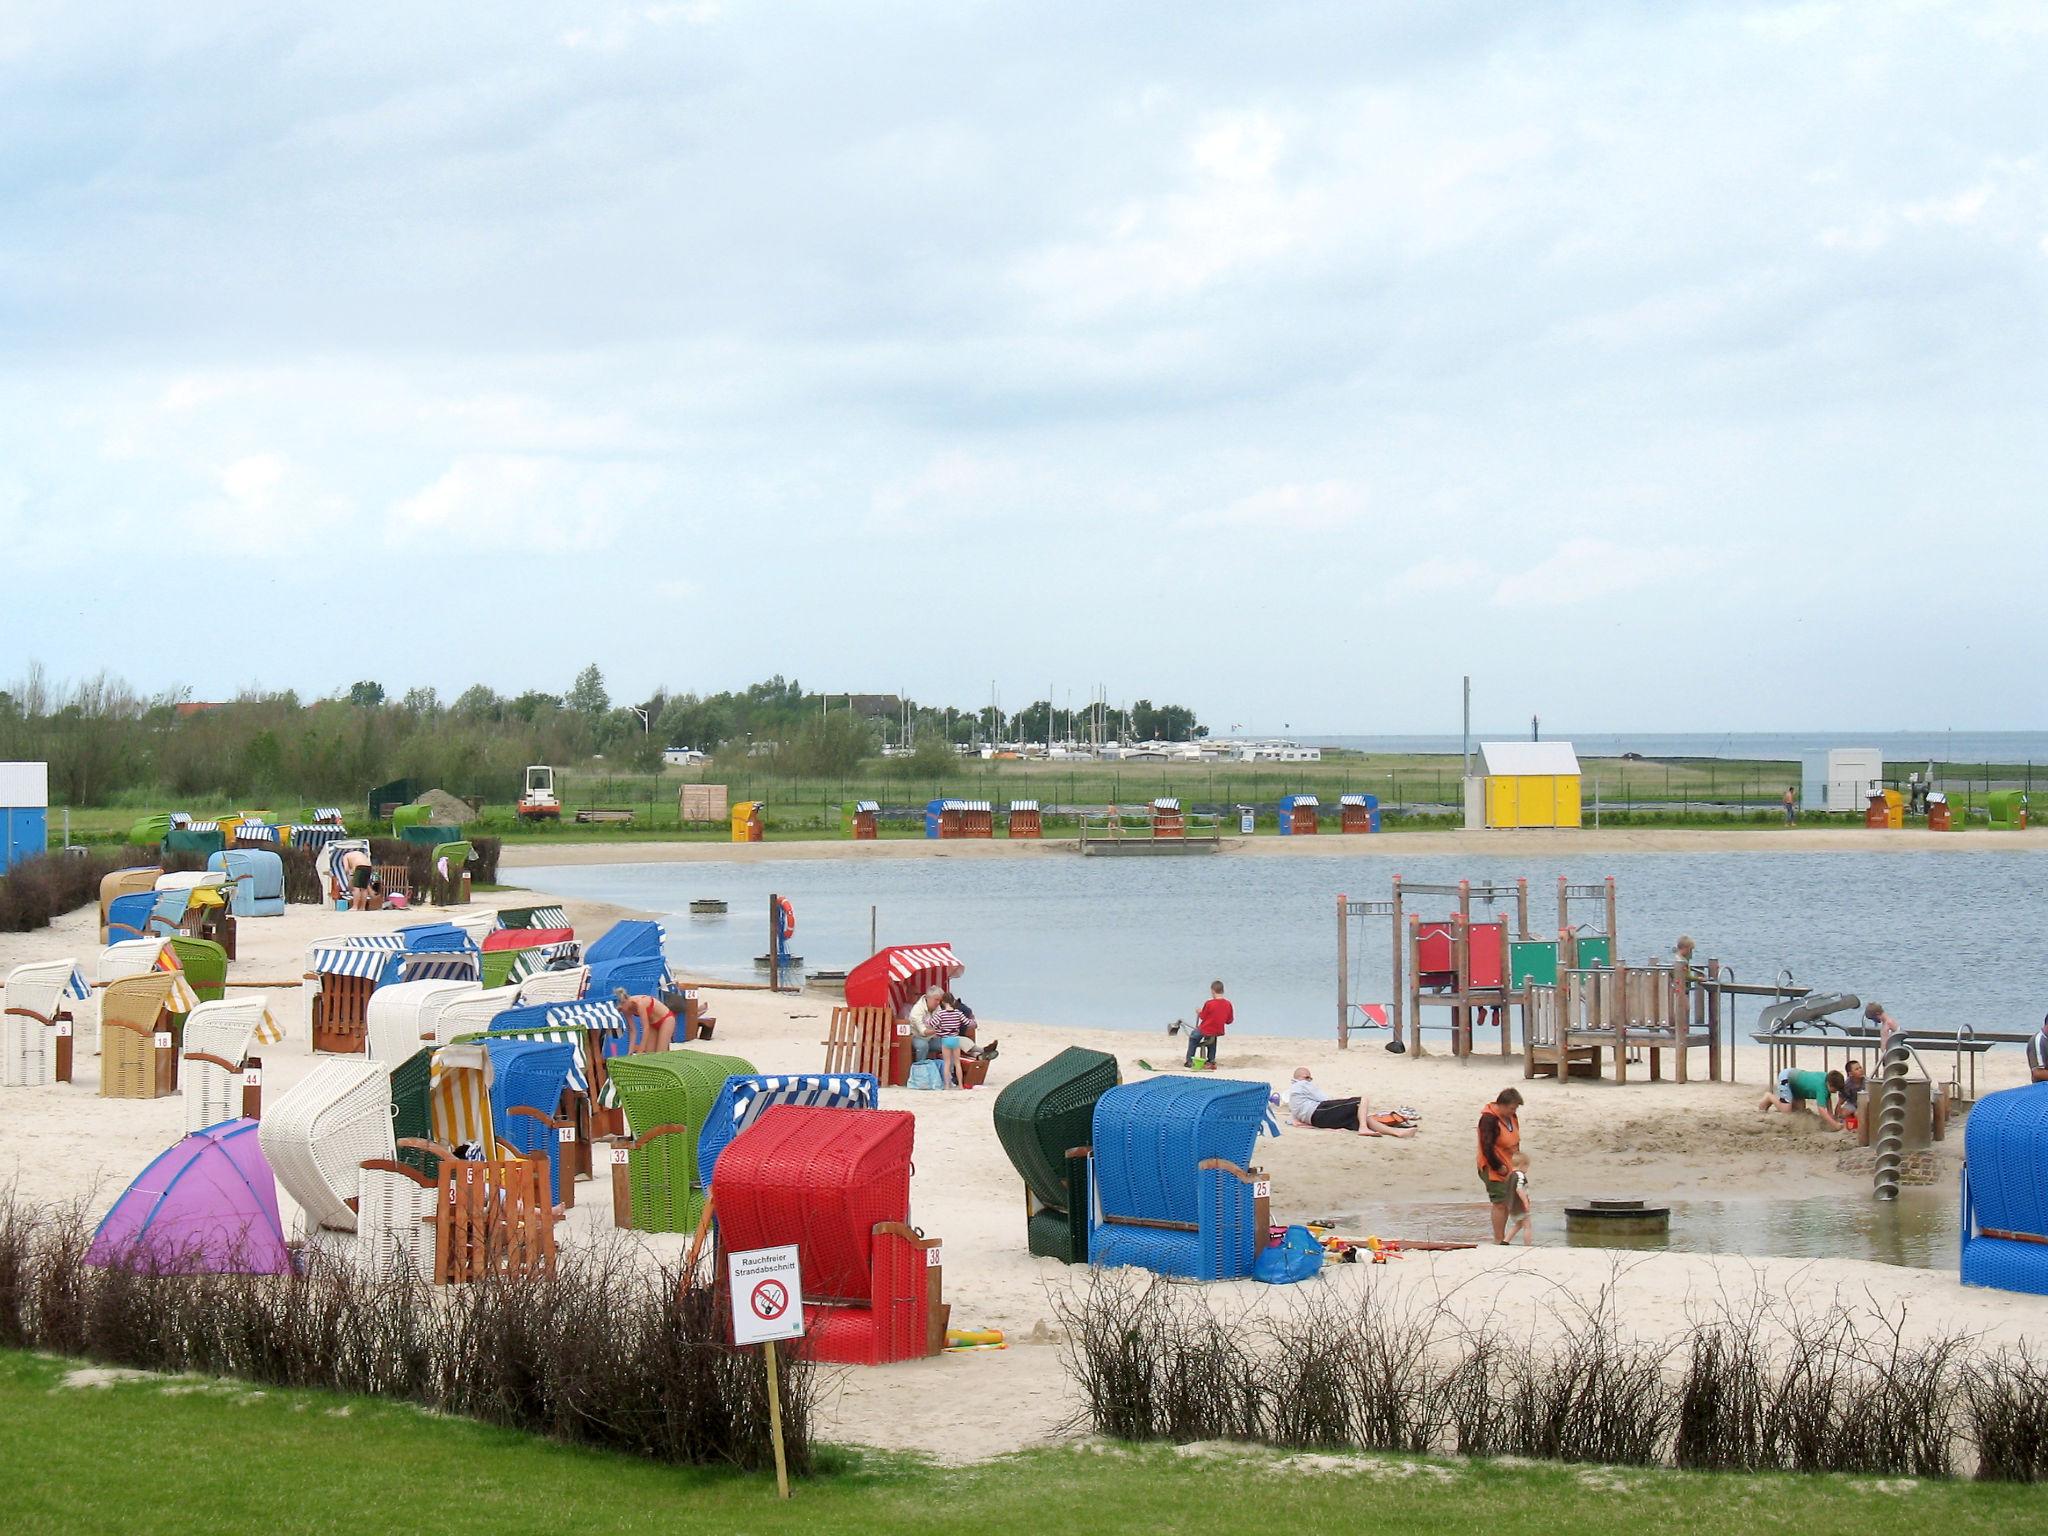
(1585,1139)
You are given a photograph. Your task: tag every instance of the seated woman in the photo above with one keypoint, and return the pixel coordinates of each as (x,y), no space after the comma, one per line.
(1315,1108)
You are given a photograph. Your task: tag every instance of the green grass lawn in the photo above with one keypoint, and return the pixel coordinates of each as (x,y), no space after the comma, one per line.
(182,1455)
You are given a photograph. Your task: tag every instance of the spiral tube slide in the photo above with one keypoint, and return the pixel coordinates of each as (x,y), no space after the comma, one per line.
(1891,1121)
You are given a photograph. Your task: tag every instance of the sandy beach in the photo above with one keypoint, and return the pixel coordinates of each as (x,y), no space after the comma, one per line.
(1397,845)
(1585,1139)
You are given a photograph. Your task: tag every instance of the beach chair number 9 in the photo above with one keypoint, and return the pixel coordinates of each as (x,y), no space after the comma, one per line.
(63,1029)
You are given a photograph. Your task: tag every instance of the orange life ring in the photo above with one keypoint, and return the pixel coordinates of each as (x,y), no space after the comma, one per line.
(788,916)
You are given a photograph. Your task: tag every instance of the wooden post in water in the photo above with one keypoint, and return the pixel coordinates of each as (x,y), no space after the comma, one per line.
(1343,974)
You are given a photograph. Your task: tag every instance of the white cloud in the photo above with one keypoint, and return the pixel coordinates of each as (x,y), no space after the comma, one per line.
(1321,507)
(1436,576)
(1230,214)
(526,502)
(1962,208)
(265,504)
(1583,569)
(953,487)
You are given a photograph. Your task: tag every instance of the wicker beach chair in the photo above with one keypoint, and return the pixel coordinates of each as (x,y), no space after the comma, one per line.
(412,1114)
(137,1043)
(1040,1118)
(430,1215)
(667,1098)
(403,1016)
(133,916)
(470,1013)
(564,986)
(36,1005)
(318,1134)
(1172,1185)
(124,882)
(528,1080)
(836,1182)
(204,963)
(215,1047)
(2005,1201)
(742,1099)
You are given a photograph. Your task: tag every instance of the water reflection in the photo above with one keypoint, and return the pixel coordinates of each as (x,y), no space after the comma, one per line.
(1919,1231)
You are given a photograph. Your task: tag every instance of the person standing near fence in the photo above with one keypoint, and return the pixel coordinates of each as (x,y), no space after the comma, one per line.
(1791,806)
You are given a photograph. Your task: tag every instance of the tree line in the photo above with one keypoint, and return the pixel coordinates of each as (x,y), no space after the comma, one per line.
(106,743)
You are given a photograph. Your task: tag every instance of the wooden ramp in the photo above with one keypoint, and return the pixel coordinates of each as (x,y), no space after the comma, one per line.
(861,1040)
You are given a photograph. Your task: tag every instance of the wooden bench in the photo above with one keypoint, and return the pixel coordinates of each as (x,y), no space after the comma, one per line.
(604,815)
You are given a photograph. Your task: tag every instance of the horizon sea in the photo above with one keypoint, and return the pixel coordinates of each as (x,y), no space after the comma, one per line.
(1769,746)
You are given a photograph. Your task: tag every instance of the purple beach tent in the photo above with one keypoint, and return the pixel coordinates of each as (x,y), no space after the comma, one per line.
(206,1206)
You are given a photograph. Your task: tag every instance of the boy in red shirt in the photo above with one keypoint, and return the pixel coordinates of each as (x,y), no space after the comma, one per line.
(1214,1017)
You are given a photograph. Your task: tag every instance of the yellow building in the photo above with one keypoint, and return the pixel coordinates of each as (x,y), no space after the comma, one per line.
(1530,783)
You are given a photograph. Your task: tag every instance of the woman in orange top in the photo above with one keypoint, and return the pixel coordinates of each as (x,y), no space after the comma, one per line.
(1500,1138)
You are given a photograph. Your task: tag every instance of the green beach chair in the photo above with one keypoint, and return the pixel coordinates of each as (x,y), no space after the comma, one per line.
(205,965)
(666,1097)
(411,1108)
(409,816)
(2008,809)
(1040,1118)
(447,891)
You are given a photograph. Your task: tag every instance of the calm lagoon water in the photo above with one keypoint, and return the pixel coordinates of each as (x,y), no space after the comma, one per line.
(1919,1231)
(1943,939)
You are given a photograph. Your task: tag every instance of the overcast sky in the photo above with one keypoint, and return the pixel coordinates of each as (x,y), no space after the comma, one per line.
(1663,366)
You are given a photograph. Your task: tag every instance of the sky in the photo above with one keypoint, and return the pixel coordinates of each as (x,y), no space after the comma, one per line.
(1661,366)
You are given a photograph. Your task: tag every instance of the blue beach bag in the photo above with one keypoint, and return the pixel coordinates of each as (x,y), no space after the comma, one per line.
(1297,1256)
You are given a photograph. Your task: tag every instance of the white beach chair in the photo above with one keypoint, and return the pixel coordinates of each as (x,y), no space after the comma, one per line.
(28,1036)
(394,1238)
(552,986)
(222,1031)
(471,1014)
(402,1016)
(318,1135)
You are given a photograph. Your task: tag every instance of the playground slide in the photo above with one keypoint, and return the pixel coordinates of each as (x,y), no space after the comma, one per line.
(1782,1018)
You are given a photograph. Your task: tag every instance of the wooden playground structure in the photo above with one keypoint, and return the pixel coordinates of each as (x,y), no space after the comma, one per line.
(1578,1002)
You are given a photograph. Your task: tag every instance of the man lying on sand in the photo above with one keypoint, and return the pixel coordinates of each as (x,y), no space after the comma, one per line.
(1312,1107)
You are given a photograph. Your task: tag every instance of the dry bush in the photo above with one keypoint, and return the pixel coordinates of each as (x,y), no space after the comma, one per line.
(1756,1385)
(605,1353)
(48,885)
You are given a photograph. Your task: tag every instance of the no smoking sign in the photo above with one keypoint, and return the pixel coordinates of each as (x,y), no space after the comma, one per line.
(767,1295)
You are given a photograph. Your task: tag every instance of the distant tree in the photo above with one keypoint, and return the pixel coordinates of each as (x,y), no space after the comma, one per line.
(478,702)
(422,701)
(588,697)
(532,707)
(366,694)
(830,745)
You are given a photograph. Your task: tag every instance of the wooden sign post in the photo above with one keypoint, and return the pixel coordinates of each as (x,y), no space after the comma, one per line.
(767,1305)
